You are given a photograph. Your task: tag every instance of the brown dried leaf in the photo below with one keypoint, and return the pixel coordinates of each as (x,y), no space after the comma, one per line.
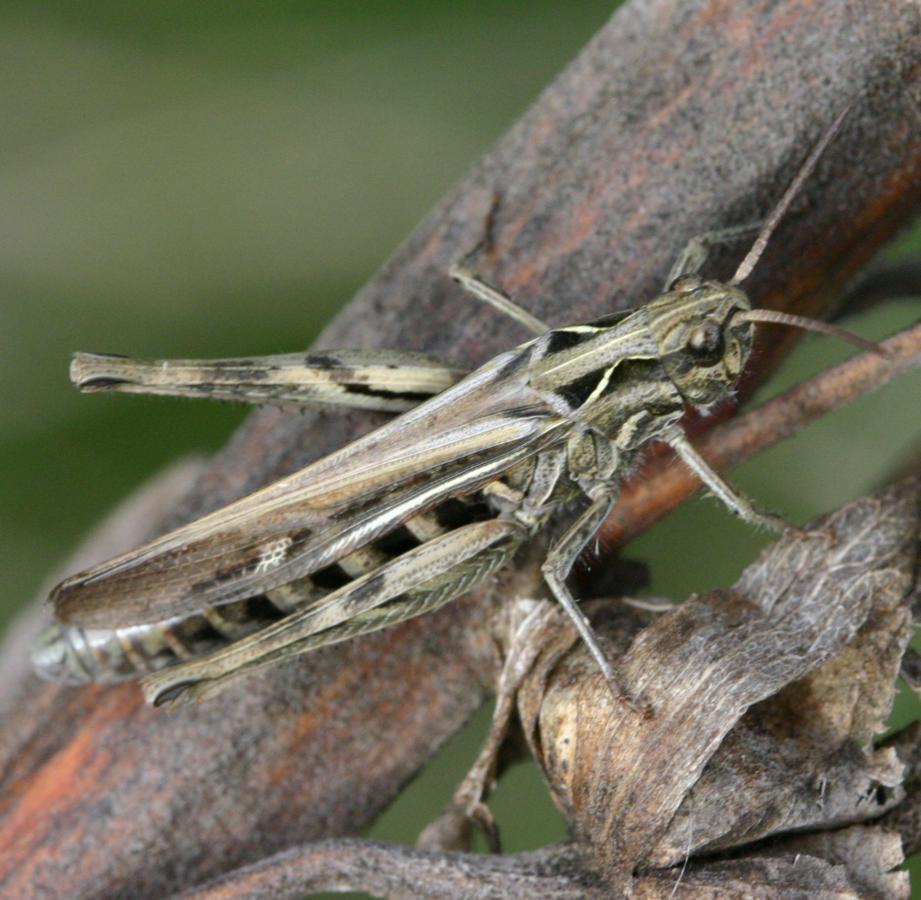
(812,743)
(869,854)
(620,770)
(906,817)
(798,877)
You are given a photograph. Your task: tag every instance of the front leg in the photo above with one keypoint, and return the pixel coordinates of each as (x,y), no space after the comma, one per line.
(694,256)
(736,502)
(475,285)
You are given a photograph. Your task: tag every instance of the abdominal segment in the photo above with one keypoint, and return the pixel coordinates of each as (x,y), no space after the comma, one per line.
(75,655)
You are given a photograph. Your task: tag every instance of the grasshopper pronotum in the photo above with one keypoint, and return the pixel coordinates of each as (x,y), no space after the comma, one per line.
(422,509)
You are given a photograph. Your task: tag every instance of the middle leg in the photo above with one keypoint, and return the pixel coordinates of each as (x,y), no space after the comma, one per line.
(559,563)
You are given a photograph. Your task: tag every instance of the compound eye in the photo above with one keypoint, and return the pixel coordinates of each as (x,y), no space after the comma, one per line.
(684,284)
(705,343)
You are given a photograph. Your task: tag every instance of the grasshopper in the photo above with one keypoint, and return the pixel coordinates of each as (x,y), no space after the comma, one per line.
(424,508)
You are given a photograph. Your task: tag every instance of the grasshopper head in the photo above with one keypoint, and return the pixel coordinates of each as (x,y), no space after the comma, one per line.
(701,341)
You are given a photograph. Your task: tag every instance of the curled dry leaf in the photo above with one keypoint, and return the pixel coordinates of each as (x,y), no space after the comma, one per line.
(868,854)
(906,817)
(794,877)
(747,712)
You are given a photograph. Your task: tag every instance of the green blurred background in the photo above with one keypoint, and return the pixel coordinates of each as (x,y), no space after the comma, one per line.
(217,179)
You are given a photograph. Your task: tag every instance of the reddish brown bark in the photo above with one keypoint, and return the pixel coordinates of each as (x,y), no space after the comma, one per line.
(676,119)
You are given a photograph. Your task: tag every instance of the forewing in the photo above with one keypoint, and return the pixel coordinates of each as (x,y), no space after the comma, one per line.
(459,440)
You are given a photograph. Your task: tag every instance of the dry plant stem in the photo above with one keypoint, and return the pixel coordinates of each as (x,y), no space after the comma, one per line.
(673,121)
(388,870)
(809,867)
(554,873)
(665,484)
(883,282)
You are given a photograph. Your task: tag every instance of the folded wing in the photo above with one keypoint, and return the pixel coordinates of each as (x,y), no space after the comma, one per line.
(454,443)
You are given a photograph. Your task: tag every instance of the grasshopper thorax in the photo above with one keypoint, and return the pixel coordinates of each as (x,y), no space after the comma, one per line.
(701,342)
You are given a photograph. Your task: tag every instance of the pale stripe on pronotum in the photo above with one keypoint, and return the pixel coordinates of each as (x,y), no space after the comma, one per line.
(424,508)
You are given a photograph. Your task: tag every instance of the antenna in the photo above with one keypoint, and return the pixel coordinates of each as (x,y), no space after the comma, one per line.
(757,248)
(783,318)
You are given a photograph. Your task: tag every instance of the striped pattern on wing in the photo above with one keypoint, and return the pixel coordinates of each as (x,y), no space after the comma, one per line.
(454,443)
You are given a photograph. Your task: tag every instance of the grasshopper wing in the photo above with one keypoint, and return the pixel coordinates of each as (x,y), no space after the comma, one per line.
(454,443)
